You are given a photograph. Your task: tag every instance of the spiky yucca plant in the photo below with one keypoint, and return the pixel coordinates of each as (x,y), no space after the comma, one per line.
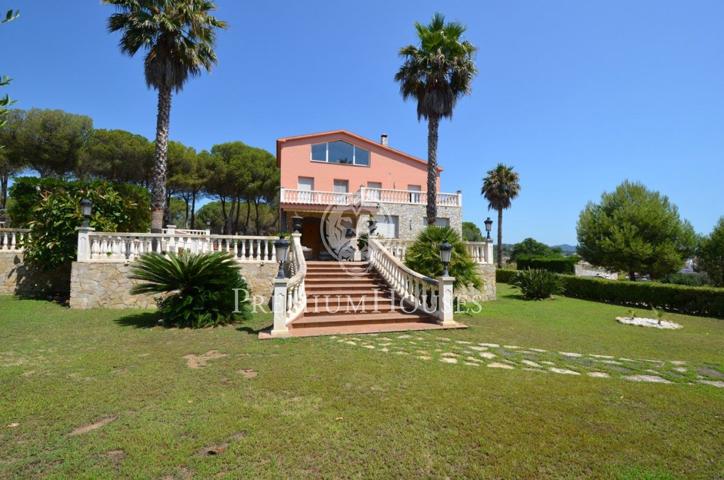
(423,256)
(537,284)
(199,288)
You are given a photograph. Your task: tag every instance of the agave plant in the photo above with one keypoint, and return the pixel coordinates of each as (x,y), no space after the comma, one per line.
(537,284)
(198,288)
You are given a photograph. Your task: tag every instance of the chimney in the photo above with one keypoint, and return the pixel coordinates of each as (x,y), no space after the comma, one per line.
(383,139)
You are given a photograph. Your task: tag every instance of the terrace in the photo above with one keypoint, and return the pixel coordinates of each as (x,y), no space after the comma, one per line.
(366,196)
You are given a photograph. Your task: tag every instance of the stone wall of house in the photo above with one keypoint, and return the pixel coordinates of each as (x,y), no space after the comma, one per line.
(106,285)
(17,278)
(413,218)
(488,289)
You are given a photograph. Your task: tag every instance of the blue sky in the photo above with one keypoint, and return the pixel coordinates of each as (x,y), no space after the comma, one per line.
(578,96)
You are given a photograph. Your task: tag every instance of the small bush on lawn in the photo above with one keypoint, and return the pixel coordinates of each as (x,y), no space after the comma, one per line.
(537,284)
(503,275)
(199,288)
(423,256)
(557,264)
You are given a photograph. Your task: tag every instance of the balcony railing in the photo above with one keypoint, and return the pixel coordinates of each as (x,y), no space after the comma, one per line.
(366,196)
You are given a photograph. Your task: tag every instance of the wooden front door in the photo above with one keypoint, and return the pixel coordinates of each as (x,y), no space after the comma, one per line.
(311,237)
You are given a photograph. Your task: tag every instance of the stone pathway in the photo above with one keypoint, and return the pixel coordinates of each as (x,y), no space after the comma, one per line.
(430,348)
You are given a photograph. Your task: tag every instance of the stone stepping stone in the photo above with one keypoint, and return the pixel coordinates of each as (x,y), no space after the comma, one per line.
(538,350)
(563,371)
(463,342)
(449,360)
(548,362)
(680,369)
(480,349)
(646,378)
(571,354)
(599,375)
(677,362)
(714,383)
(531,363)
(472,359)
(472,364)
(492,345)
(607,357)
(449,354)
(511,347)
(487,355)
(424,357)
(501,365)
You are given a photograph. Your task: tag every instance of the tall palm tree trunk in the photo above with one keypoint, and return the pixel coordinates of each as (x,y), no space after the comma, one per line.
(158,181)
(4,180)
(193,210)
(500,238)
(432,128)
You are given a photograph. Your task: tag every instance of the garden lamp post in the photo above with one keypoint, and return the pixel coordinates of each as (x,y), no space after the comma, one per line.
(488,227)
(371,225)
(86,206)
(297,222)
(281,247)
(445,254)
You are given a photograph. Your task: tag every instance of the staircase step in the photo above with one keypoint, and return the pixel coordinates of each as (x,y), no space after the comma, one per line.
(346,309)
(345,287)
(360,319)
(341,278)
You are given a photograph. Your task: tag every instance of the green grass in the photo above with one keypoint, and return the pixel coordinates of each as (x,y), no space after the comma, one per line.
(322,408)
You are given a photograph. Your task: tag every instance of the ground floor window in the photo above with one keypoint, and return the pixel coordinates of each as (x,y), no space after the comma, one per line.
(389,226)
(439,222)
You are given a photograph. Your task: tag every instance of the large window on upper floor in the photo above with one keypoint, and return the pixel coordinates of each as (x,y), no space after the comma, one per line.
(340,152)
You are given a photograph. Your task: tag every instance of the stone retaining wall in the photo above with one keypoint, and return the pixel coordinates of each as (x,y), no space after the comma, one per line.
(106,285)
(17,278)
(488,289)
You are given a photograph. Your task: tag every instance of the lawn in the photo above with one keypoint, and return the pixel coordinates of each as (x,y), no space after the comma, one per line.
(107,394)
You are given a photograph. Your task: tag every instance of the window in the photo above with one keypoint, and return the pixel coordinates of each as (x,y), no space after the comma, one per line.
(341,153)
(319,152)
(388,226)
(374,194)
(415,196)
(341,187)
(306,186)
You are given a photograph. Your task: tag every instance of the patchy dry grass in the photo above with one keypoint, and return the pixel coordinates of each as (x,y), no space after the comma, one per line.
(318,407)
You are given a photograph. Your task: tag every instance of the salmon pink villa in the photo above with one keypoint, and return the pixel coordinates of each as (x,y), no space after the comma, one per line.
(359,179)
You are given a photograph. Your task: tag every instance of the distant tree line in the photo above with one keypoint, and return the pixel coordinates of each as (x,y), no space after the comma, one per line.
(57,144)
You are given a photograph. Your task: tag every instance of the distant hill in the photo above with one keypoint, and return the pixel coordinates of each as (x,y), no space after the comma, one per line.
(565,248)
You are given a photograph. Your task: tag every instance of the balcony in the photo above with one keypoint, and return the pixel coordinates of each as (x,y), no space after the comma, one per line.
(366,196)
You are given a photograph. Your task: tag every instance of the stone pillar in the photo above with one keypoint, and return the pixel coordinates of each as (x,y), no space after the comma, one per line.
(445,301)
(83,252)
(279,308)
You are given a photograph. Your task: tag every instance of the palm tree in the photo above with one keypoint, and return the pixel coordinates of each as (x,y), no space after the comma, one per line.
(178,38)
(436,73)
(500,186)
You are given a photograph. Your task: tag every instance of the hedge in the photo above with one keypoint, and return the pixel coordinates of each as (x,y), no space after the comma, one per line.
(557,264)
(504,276)
(706,301)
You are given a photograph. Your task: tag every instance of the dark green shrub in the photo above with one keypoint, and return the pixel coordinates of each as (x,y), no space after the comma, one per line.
(676,298)
(56,217)
(537,284)
(27,192)
(199,288)
(504,276)
(423,256)
(557,264)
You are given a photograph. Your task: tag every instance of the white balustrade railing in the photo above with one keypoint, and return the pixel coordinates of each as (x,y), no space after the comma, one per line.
(315,197)
(296,293)
(420,291)
(126,247)
(289,298)
(387,195)
(480,252)
(11,239)
(366,196)
(171,230)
